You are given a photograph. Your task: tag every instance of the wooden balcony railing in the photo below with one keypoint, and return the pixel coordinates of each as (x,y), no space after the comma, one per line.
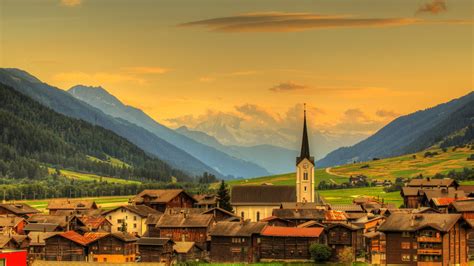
(430,251)
(429,239)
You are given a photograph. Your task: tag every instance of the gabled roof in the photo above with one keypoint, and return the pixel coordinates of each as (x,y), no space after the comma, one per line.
(73,236)
(468,189)
(262,195)
(41,227)
(346,207)
(280,231)
(4,240)
(443,193)
(19,208)
(61,220)
(181,220)
(10,221)
(243,229)
(310,224)
(445,201)
(349,226)
(307,214)
(95,236)
(184,247)
(153,241)
(431,182)
(71,204)
(205,199)
(217,209)
(463,205)
(413,222)
(409,191)
(141,210)
(93,222)
(159,195)
(153,218)
(301,205)
(37,238)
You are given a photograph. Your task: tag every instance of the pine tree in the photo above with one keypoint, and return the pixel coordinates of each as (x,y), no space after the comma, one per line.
(224,197)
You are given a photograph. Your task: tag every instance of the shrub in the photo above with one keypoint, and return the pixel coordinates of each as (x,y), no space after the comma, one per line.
(320,252)
(346,255)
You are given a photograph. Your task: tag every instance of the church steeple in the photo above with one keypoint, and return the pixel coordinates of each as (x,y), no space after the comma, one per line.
(304,142)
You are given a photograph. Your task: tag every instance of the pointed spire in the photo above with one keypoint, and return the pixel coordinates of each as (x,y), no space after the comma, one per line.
(304,143)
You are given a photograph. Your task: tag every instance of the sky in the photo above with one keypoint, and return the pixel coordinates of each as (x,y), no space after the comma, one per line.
(356,64)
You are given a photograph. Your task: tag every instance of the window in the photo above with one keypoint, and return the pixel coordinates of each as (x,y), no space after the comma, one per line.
(305,176)
(134,217)
(242,214)
(415,257)
(258,216)
(118,228)
(304,188)
(110,217)
(405,245)
(405,257)
(134,225)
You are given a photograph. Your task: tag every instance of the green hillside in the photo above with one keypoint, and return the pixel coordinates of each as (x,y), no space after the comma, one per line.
(406,166)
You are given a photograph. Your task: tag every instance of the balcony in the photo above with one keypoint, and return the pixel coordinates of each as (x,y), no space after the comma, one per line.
(430,251)
(429,239)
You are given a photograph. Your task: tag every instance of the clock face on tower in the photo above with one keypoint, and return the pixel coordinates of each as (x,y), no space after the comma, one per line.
(305,165)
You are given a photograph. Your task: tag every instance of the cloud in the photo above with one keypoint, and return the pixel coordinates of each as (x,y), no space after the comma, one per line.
(146,70)
(290,22)
(71,3)
(434,7)
(387,113)
(287,86)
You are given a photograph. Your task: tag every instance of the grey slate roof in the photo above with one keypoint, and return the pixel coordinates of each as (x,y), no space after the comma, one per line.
(19,208)
(413,222)
(153,241)
(244,229)
(262,195)
(41,227)
(308,214)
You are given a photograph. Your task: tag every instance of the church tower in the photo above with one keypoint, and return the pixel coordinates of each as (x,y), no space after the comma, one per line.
(305,169)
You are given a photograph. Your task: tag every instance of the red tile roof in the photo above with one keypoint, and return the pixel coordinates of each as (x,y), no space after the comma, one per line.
(93,236)
(446,201)
(333,215)
(292,231)
(75,237)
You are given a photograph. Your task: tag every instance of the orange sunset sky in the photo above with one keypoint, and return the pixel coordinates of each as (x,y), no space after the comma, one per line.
(357,64)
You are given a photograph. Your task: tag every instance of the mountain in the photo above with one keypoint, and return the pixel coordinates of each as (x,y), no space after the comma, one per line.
(402,135)
(275,159)
(63,103)
(33,134)
(220,161)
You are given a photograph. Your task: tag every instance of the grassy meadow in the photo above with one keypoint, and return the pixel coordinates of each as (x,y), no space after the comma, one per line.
(92,177)
(103,202)
(407,166)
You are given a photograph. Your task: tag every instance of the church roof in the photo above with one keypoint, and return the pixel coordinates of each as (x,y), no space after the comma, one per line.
(304,154)
(262,195)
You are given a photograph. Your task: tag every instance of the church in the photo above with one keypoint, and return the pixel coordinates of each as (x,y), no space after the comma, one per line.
(256,202)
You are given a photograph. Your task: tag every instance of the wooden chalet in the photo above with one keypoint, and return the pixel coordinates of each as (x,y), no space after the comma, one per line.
(185,251)
(70,206)
(466,209)
(344,235)
(111,247)
(155,249)
(425,239)
(66,246)
(432,183)
(235,241)
(17,209)
(63,222)
(90,224)
(375,248)
(410,197)
(468,190)
(13,242)
(42,227)
(220,214)
(36,247)
(427,195)
(161,199)
(299,216)
(205,201)
(185,227)
(12,224)
(288,243)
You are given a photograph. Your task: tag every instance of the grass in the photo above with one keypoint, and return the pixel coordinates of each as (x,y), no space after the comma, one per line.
(110,160)
(105,203)
(92,177)
(406,166)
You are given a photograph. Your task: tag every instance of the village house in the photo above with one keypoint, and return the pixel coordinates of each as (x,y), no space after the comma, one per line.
(161,199)
(375,247)
(111,247)
(66,246)
(288,243)
(432,183)
(13,242)
(36,247)
(468,190)
(70,206)
(235,241)
(185,227)
(257,202)
(426,196)
(129,218)
(18,209)
(221,215)
(12,224)
(466,209)
(155,249)
(83,224)
(419,239)
(150,223)
(205,201)
(38,221)
(186,251)
(344,235)
(42,227)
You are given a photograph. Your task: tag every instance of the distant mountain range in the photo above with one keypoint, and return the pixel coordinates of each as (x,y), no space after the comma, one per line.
(409,133)
(209,155)
(63,103)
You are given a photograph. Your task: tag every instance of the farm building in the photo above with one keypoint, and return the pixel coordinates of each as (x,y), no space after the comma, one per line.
(70,206)
(111,247)
(155,249)
(66,246)
(131,217)
(235,241)
(344,235)
(161,199)
(17,209)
